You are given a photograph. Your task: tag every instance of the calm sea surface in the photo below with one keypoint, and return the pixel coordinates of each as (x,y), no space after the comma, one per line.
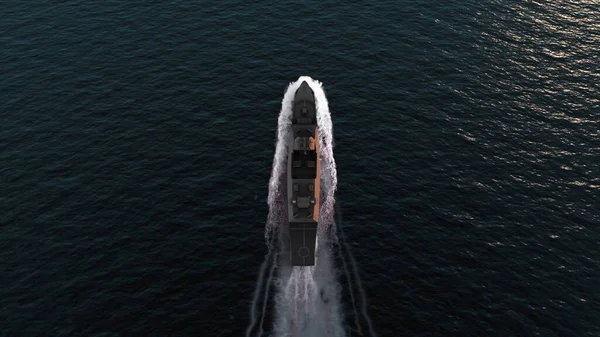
(137,139)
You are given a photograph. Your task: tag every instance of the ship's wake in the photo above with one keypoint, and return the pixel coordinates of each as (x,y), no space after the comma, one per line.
(307,300)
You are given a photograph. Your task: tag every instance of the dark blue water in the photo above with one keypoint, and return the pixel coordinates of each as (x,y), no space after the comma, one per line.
(136,144)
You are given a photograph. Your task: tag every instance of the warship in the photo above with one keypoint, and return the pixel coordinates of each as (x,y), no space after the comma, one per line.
(303,178)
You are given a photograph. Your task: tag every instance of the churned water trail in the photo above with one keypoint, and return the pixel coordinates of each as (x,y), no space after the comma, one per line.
(266,297)
(259,284)
(346,272)
(261,275)
(356,276)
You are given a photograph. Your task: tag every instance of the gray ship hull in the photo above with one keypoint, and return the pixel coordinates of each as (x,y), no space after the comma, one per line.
(303,179)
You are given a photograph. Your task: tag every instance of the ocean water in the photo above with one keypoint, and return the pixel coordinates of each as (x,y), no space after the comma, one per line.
(137,142)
